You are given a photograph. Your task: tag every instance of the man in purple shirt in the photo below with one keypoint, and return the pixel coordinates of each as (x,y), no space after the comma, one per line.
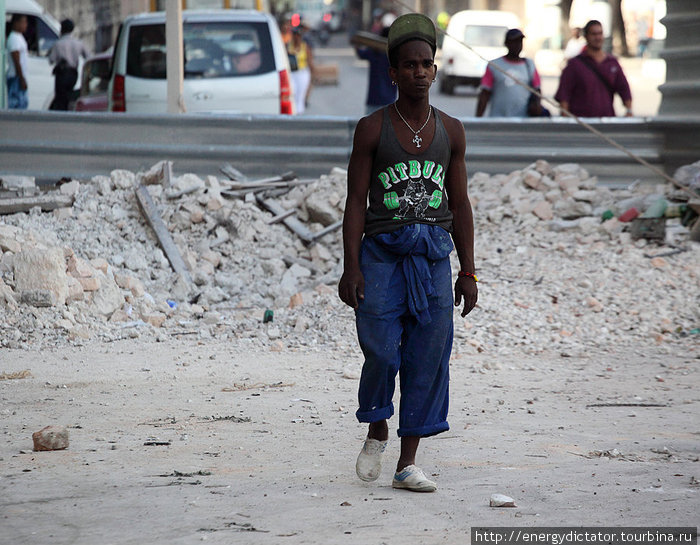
(590,80)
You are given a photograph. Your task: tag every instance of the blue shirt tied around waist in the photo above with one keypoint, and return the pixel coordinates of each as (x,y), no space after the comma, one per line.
(413,246)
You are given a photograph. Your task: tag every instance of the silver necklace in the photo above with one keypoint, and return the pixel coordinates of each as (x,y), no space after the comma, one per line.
(416,139)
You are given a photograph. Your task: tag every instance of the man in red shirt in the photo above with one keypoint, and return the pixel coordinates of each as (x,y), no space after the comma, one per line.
(590,80)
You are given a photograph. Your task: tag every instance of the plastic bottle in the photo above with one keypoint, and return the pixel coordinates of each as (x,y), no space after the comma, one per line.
(657,209)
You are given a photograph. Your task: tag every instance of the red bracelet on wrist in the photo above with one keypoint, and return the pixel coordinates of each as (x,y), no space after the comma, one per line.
(470,275)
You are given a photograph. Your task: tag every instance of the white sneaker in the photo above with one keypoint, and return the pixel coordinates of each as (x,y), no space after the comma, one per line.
(369,461)
(413,478)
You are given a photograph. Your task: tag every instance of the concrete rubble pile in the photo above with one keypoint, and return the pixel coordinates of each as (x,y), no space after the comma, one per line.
(553,275)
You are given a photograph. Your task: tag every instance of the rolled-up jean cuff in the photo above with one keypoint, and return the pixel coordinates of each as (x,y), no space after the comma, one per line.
(425,431)
(376,415)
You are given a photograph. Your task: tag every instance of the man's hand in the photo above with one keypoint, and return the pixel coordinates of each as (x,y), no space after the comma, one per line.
(465,286)
(351,287)
(23,83)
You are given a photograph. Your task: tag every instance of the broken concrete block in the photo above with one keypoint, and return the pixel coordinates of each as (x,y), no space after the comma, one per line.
(501,500)
(42,270)
(320,210)
(155,319)
(75,290)
(108,297)
(71,188)
(89,283)
(532,179)
(51,438)
(8,244)
(10,182)
(543,210)
(123,179)
(63,213)
(79,268)
(100,264)
(158,174)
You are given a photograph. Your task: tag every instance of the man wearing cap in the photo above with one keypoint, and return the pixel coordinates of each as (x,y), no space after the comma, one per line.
(590,80)
(65,54)
(407,161)
(507,98)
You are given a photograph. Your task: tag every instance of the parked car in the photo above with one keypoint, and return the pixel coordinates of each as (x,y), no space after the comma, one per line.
(93,96)
(234,61)
(42,32)
(485,32)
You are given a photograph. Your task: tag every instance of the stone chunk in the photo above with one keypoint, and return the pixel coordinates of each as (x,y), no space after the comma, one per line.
(70,189)
(42,270)
(543,210)
(51,438)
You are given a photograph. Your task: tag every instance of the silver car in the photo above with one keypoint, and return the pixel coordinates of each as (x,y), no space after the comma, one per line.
(234,61)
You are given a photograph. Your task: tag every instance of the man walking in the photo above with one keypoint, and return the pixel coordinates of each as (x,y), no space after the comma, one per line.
(408,162)
(590,80)
(508,99)
(65,54)
(17,64)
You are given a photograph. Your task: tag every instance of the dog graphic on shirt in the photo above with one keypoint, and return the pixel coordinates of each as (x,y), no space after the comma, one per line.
(415,200)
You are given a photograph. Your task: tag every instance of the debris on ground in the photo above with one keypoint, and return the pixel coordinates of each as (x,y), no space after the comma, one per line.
(559,269)
(51,438)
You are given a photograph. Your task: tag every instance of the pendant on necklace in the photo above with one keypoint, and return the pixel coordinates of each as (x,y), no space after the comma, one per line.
(417,140)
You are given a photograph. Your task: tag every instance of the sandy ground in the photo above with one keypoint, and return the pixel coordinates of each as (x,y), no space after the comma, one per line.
(262,447)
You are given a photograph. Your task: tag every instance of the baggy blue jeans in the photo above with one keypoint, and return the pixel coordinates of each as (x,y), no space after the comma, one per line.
(404,326)
(16,96)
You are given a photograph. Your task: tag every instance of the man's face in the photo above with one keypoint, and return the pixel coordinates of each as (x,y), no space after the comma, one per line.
(415,69)
(515,46)
(594,37)
(21,25)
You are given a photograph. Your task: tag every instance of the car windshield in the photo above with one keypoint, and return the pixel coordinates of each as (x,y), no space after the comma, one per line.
(485,36)
(212,50)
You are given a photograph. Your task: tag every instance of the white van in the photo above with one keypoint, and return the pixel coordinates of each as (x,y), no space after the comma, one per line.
(485,32)
(235,61)
(42,32)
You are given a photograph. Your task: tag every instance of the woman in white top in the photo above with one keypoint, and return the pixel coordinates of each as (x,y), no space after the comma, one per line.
(17,64)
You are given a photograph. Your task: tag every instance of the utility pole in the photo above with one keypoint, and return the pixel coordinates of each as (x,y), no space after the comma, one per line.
(175,64)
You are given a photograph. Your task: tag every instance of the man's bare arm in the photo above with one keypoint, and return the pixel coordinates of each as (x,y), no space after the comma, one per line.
(463,220)
(351,286)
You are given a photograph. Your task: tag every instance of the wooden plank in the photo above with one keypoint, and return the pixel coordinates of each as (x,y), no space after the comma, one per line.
(149,211)
(281,216)
(284,186)
(292,223)
(45,202)
(368,39)
(332,227)
(286,177)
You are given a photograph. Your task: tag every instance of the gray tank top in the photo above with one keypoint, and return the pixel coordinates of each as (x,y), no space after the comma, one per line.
(407,188)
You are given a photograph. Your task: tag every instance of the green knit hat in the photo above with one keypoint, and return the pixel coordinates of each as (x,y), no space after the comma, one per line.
(412,26)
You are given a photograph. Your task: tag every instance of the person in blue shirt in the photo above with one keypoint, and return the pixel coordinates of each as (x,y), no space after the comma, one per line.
(380,89)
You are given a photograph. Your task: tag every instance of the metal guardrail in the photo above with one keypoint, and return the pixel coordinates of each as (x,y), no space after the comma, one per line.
(50,145)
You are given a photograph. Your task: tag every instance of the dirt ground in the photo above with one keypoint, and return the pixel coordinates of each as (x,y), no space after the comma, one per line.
(260,447)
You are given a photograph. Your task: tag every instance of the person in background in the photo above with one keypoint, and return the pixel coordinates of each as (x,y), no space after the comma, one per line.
(380,89)
(301,51)
(17,64)
(575,44)
(65,55)
(590,80)
(507,98)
